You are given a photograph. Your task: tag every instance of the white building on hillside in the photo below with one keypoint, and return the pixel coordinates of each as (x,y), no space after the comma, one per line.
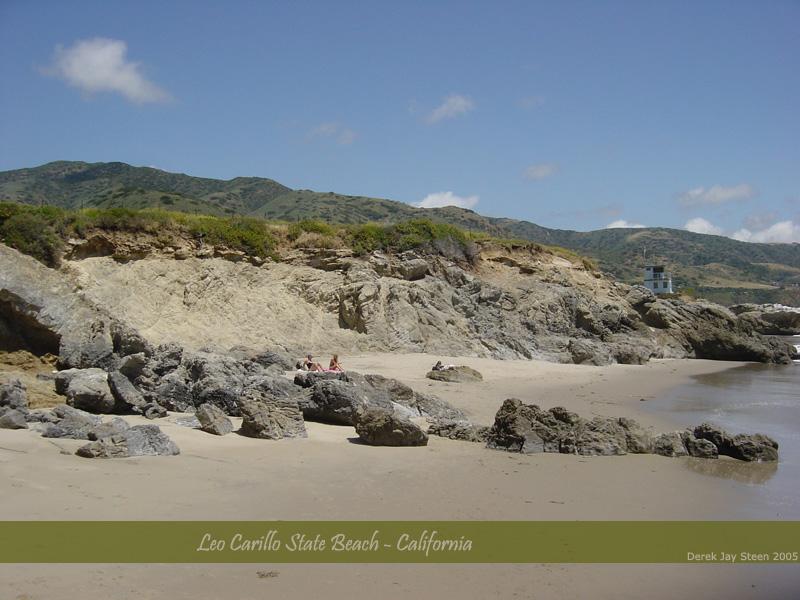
(657,279)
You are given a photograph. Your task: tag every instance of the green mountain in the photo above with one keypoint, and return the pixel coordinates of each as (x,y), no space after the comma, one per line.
(715,267)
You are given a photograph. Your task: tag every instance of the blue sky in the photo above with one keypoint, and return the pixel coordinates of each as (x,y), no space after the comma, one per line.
(572,115)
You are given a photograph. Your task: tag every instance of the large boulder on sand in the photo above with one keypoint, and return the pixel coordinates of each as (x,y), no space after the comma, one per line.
(459,374)
(462,430)
(141,440)
(331,400)
(13,419)
(71,423)
(86,389)
(526,428)
(382,427)
(270,419)
(13,396)
(354,389)
(753,448)
(213,420)
(601,436)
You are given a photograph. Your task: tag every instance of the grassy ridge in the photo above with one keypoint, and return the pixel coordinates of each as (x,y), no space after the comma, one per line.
(41,232)
(714,267)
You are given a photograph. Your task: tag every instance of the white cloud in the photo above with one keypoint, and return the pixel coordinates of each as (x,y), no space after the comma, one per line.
(540,171)
(447,199)
(451,107)
(715,195)
(333,130)
(761,220)
(622,223)
(785,232)
(700,225)
(100,65)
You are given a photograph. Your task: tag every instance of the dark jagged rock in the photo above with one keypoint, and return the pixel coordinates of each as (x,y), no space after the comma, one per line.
(44,313)
(213,420)
(713,332)
(126,396)
(669,444)
(182,381)
(770,319)
(71,423)
(459,430)
(698,448)
(151,410)
(752,448)
(172,391)
(166,358)
(757,447)
(331,400)
(275,358)
(588,352)
(133,365)
(598,437)
(86,389)
(374,390)
(527,428)
(13,396)
(140,440)
(639,440)
(381,427)
(115,426)
(270,419)
(13,419)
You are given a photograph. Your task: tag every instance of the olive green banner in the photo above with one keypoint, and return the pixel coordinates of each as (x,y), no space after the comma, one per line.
(398,542)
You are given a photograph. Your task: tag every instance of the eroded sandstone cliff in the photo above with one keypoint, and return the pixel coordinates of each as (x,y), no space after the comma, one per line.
(517,303)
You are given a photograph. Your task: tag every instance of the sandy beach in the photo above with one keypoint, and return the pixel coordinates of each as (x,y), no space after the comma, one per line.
(332,476)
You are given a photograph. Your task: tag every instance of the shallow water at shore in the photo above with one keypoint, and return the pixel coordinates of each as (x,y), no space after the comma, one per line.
(754,398)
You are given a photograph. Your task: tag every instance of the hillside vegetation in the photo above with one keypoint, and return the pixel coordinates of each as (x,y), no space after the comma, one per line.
(43,232)
(713,267)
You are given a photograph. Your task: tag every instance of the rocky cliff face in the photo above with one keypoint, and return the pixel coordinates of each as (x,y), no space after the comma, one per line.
(506,304)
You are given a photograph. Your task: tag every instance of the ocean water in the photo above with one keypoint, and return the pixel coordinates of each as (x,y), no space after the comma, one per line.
(754,398)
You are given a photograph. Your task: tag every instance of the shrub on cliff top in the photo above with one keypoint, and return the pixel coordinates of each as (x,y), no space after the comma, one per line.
(420,234)
(32,231)
(248,235)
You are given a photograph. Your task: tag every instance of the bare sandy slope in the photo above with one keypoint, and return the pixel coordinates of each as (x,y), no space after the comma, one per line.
(331,476)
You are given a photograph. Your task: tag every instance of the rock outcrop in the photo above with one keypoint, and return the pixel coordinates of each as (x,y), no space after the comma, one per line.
(40,311)
(457,374)
(270,419)
(381,427)
(521,303)
(13,399)
(770,319)
(140,440)
(708,330)
(69,422)
(334,396)
(141,333)
(213,420)
(526,428)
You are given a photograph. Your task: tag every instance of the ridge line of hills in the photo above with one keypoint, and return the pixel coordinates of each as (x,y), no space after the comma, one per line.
(714,267)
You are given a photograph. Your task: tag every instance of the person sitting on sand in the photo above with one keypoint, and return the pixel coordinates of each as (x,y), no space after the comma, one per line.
(310,365)
(335,366)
